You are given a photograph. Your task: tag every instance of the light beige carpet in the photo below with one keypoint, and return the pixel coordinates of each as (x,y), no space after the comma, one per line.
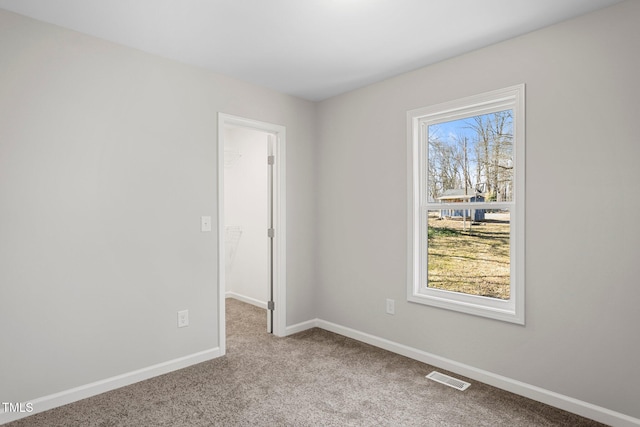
(314,378)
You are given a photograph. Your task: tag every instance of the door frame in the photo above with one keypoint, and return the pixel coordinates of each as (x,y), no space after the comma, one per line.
(279,221)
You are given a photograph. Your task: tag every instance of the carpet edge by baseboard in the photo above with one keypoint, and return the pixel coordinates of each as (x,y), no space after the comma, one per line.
(248,300)
(567,403)
(300,327)
(65,397)
(557,400)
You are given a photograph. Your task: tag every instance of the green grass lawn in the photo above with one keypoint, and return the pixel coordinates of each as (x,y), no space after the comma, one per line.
(474,260)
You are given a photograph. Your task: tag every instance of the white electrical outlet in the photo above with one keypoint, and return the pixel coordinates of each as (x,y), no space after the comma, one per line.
(391,306)
(183,318)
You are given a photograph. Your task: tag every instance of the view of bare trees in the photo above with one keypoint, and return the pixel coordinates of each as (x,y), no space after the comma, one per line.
(467,158)
(474,154)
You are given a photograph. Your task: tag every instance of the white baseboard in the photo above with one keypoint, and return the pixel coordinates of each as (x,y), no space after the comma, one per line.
(557,400)
(551,398)
(88,390)
(248,300)
(294,329)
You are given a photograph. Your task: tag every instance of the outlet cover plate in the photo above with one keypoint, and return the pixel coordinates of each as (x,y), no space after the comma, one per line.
(183,318)
(391,306)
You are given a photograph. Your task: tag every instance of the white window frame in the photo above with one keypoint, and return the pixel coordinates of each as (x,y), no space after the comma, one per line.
(418,120)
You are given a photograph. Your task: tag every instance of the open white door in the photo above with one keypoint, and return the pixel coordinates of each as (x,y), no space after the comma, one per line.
(271,230)
(276,229)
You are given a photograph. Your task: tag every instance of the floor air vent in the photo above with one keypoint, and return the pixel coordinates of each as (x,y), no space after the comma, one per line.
(447,380)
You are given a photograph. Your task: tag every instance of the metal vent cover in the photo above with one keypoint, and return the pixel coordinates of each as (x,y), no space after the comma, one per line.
(447,380)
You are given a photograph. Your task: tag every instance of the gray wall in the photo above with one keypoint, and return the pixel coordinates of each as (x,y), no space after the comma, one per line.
(582,269)
(107,162)
(108,159)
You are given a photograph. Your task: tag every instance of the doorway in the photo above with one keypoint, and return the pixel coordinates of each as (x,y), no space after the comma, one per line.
(251,218)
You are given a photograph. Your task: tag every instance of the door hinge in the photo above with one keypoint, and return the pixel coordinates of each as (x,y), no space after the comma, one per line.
(271,160)
(271,233)
(271,305)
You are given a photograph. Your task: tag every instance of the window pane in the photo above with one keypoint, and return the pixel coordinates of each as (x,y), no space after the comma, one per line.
(468,252)
(471,158)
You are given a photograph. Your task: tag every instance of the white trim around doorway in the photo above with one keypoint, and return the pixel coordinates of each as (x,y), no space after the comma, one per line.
(279,217)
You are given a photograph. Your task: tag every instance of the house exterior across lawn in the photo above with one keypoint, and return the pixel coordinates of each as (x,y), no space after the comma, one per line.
(458,196)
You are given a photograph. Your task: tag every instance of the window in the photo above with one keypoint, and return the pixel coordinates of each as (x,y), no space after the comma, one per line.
(466,205)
